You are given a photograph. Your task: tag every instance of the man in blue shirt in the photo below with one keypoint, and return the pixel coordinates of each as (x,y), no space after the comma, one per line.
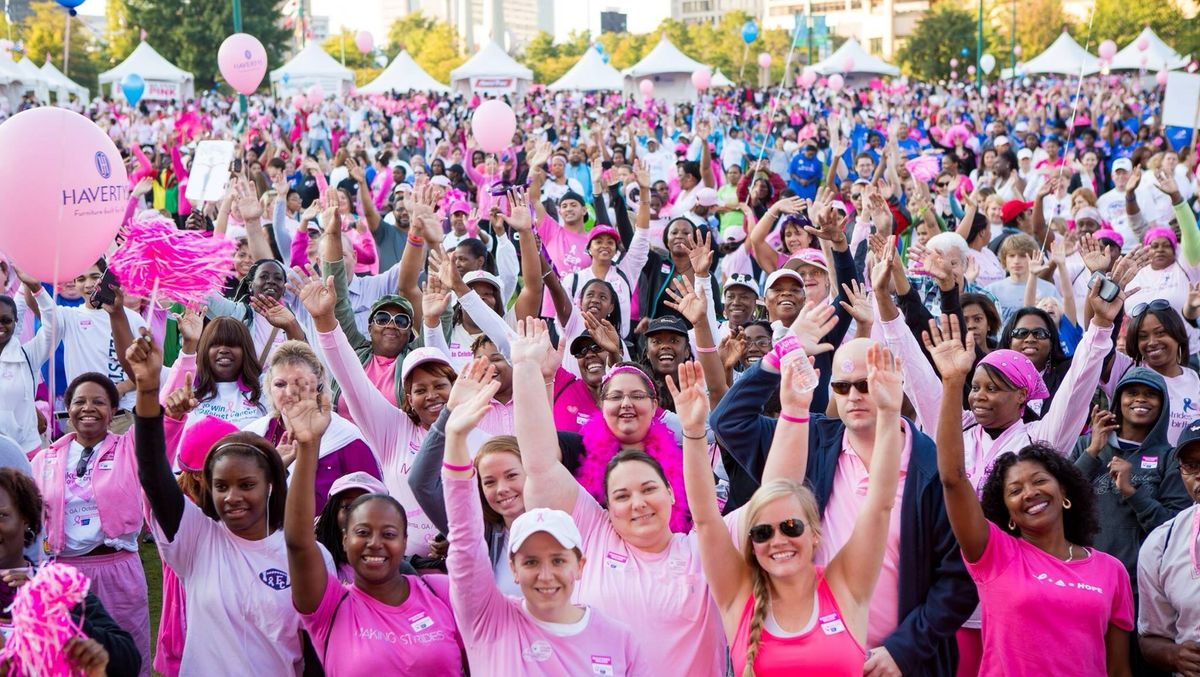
(804,172)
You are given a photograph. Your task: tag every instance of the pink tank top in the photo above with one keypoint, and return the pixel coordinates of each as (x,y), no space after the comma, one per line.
(827,649)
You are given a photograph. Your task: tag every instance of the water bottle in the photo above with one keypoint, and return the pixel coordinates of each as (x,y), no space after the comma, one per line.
(795,355)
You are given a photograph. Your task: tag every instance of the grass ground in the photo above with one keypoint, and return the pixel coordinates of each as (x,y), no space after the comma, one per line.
(153,567)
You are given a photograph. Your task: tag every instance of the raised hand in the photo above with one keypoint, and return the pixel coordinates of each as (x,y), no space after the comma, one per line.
(519,219)
(470,409)
(191,324)
(275,313)
(794,398)
(531,342)
(182,401)
(603,333)
(884,379)
(317,295)
(1038,263)
(434,300)
(287,449)
(1107,311)
(145,361)
(699,251)
(857,303)
(691,398)
(684,299)
(143,186)
(939,269)
(1191,309)
(1165,183)
(831,228)
(945,346)
(1103,423)
(474,377)
(814,321)
(307,417)
(246,202)
(642,174)
(1094,255)
(732,348)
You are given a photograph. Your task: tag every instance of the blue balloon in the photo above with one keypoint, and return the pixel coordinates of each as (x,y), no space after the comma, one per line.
(965,51)
(70,5)
(600,47)
(285,77)
(749,31)
(133,86)
(604,57)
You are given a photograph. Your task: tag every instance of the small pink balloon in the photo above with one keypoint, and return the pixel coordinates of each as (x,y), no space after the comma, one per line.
(971,70)
(1143,44)
(875,84)
(1144,60)
(1161,78)
(63,190)
(702,79)
(646,87)
(364,41)
(848,64)
(315,95)
(953,75)
(764,60)
(493,124)
(1108,49)
(243,62)
(836,82)
(808,77)
(954,63)
(1191,67)
(298,101)
(1017,50)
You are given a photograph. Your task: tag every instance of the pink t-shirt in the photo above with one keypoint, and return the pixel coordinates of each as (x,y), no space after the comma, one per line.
(849,492)
(1044,616)
(573,403)
(663,594)
(381,372)
(368,637)
(567,251)
(502,639)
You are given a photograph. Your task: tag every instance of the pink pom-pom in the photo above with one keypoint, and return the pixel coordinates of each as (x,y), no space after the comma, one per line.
(924,168)
(42,623)
(180,265)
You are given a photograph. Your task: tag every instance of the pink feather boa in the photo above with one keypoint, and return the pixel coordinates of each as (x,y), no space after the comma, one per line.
(600,445)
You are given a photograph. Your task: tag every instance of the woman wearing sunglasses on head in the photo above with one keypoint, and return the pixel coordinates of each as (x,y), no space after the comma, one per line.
(779,610)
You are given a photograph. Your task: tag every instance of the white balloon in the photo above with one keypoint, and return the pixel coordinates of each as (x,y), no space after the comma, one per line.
(987,62)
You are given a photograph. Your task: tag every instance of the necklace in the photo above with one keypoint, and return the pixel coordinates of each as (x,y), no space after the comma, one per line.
(1070,553)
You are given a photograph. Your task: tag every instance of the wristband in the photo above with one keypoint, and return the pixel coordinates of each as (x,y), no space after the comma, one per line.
(793,419)
(416,242)
(710,349)
(691,437)
(457,468)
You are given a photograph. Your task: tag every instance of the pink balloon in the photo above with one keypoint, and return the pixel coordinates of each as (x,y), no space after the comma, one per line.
(808,77)
(63,192)
(971,70)
(1017,50)
(836,82)
(315,95)
(1143,44)
(298,101)
(848,64)
(875,84)
(953,75)
(646,87)
(243,62)
(1161,78)
(1108,49)
(954,63)
(1144,60)
(493,124)
(1191,67)
(764,60)
(364,41)
(702,79)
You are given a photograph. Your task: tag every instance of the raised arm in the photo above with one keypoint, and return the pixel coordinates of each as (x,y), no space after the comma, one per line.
(954,362)
(154,471)
(529,300)
(548,483)
(307,419)
(788,457)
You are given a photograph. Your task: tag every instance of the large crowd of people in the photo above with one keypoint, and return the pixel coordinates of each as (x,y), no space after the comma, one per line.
(881,381)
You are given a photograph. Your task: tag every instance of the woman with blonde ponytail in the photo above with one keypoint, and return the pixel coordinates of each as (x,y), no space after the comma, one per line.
(781,612)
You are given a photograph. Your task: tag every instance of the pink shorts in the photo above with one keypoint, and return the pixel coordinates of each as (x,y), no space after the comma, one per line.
(120,582)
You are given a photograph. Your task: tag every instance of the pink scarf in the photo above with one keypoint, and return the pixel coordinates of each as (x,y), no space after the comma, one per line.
(600,445)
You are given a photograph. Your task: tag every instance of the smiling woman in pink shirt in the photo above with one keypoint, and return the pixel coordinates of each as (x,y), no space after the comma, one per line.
(544,633)
(1025,544)
(383,622)
(771,595)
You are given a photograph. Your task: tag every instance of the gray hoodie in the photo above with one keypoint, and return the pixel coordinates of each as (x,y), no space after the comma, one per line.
(1159,492)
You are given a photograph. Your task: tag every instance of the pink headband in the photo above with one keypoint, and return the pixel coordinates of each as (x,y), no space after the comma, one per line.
(1019,371)
(1155,233)
(630,369)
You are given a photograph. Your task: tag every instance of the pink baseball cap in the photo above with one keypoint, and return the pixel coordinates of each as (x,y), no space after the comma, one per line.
(419,356)
(357,480)
(460,206)
(808,257)
(604,230)
(706,197)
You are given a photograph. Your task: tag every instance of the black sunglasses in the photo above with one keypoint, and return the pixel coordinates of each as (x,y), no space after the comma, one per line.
(1038,333)
(1156,304)
(589,349)
(792,528)
(843,387)
(943,184)
(384,318)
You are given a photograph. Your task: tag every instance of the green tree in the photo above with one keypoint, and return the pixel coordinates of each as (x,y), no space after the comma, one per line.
(188,32)
(42,32)
(121,35)
(941,36)
(409,32)
(1121,22)
(342,44)
(434,45)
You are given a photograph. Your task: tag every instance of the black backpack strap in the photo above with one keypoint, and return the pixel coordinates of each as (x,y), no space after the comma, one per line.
(325,650)
(29,363)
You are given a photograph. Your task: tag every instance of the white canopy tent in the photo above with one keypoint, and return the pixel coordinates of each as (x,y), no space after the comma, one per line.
(1064,56)
(859,60)
(12,85)
(491,71)
(312,66)
(668,68)
(34,80)
(61,85)
(719,80)
(403,75)
(1158,55)
(590,73)
(164,80)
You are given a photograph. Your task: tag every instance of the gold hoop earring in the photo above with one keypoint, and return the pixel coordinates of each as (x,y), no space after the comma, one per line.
(1066,504)
(1012,526)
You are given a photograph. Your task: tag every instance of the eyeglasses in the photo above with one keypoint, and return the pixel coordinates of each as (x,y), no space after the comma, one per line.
(1156,304)
(384,318)
(1190,467)
(764,343)
(637,396)
(589,349)
(855,196)
(843,387)
(1038,333)
(792,528)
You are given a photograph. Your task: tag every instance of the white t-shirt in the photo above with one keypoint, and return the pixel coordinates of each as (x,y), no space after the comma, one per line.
(239,595)
(229,404)
(88,344)
(1112,209)
(81,515)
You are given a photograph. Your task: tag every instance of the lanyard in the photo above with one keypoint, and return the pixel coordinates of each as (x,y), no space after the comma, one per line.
(1193,546)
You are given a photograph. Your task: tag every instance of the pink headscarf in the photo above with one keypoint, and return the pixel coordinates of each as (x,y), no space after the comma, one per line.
(1155,233)
(1019,371)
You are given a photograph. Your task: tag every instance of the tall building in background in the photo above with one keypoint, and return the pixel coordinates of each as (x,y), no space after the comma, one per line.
(880,25)
(511,23)
(612,21)
(711,11)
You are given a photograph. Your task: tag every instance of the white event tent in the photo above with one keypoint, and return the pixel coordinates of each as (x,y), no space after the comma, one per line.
(61,85)
(403,74)
(12,84)
(491,71)
(164,80)
(1158,55)
(851,59)
(668,68)
(312,66)
(590,73)
(719,80)
(34,80)
(1064,56)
